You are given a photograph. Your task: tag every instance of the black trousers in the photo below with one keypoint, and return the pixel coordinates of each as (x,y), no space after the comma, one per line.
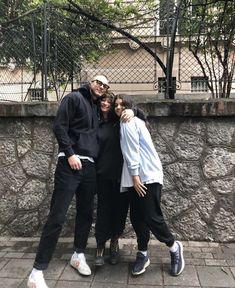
(112,209)
(146,214)
(68,182)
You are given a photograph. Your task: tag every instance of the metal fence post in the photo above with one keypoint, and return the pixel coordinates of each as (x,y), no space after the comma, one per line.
(44,52)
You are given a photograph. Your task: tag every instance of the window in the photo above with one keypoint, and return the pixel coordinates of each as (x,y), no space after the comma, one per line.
(162,84)
(199,84)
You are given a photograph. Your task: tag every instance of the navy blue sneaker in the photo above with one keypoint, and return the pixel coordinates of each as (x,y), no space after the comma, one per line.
(140,265)
(177,260)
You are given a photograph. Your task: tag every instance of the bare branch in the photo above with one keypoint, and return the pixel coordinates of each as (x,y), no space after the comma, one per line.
(92,17)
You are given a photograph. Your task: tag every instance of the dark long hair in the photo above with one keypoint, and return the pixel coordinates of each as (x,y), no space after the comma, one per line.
(110,96)
(128,104)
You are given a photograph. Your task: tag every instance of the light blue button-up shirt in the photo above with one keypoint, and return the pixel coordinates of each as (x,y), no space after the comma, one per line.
(140,155)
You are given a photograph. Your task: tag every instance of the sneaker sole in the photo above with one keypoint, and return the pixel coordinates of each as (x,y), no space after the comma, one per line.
(79,271)
(143,270)
(182,257)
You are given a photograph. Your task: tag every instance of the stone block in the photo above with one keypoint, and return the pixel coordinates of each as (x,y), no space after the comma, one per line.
(215,277)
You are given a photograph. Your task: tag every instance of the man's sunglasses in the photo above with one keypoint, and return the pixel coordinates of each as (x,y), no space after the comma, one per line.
(100,83)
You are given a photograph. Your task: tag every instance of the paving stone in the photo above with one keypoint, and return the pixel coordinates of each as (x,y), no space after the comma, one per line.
(143,286)
(195,262)
(29,255)
(2,254)
(159,253)
(7,249)
(22,244)
(4,238)
(71,274)
(17,268)
(16,255)
(3,262)
(233,271)
(212,250)
(216,262)
(198,244)
(50,283)
(10,283)
(7,244)
(214,244)
(55,269)
(193,249)
(66,256)
(189,275)
(152,276)
(231,263)
(24,239)
(202,255)
(128,259)
(229,245)
(208,265)
(224,256)
(125,252)
(72,284)
(112,273)
(109,285)
(155,260)
(166,260)
(215,277)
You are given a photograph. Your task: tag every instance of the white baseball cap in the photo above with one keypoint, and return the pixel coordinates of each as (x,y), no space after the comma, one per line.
(102,79)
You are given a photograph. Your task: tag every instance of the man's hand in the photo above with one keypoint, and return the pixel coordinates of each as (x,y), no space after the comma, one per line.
(139,186)
(74,162)
(127,115)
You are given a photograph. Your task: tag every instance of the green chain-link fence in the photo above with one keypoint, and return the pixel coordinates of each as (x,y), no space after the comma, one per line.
(47,56)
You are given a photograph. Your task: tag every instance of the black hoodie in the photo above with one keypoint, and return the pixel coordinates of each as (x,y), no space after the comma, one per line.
(76,124)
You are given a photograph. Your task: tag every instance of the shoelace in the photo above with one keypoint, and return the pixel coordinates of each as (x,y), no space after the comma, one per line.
(175,257)
(139,258)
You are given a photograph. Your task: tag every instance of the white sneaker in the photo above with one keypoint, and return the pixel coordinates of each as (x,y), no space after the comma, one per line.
(78,261)
(36,281)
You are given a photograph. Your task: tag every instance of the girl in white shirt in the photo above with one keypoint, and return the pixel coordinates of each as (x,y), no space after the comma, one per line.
(142,175)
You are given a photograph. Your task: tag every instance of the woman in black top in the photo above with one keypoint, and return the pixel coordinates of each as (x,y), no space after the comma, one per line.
(112,206)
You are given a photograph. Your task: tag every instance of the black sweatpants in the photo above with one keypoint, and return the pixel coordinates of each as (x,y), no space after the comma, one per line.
(68,182)
(112,209)
(146,214)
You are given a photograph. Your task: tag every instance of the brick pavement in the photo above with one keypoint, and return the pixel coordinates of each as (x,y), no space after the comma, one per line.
(208,265)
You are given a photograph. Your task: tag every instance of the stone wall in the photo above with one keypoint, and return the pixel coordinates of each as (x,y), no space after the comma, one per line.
(195,141)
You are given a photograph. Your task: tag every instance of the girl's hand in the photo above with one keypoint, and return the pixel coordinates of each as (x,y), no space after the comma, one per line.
(127,115)
(139,186)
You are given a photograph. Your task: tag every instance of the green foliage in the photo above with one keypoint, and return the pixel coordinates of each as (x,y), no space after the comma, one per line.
(210,28)
(72,38)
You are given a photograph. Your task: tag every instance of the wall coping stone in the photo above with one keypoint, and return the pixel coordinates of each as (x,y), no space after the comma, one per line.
(158,108)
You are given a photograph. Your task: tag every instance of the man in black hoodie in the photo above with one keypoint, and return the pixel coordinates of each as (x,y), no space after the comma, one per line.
(75,128)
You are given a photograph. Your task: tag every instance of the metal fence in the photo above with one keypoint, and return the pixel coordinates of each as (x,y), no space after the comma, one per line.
(39,63)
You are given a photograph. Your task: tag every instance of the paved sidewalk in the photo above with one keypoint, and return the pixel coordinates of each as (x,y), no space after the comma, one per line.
(207,265)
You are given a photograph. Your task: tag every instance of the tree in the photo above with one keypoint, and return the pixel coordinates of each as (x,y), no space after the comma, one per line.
(210,28)
(73,25)
(83,28)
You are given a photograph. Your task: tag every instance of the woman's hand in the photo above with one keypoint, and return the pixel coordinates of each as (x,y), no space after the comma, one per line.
(74,162)
(127,115)
(139,186)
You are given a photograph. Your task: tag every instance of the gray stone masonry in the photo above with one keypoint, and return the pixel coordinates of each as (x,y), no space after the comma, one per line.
(196,144)
(208,265)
